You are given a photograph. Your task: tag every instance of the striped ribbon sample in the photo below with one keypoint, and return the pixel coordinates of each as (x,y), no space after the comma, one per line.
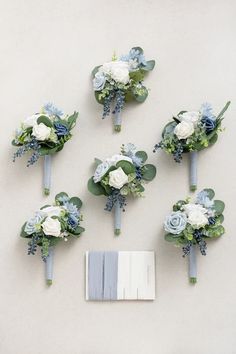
(120,275)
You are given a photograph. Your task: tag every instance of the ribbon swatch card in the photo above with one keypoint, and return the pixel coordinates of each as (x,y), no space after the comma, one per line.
(120,275)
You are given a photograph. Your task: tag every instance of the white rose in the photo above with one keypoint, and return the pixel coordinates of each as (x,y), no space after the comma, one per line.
(188,208)
(118,70)
(41,131)
(184,129)
(31,121)
(51,227)
(197,219)
(112,161)
(53,210)
(192,117)
(100,171)
(117,178)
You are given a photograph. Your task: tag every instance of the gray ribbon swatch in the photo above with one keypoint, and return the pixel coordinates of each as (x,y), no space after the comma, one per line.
(192,262)
(102,275)
(117,216)
(47,172)
(118,118)
(193,168)
(49,265)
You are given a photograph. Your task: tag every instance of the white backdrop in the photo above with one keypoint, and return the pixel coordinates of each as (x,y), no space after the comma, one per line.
(48,49)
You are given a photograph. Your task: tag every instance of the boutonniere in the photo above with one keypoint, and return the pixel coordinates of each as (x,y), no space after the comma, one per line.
(44,134)
(191,132)
(52,224)
(121,80)
(120,176)
(192,224)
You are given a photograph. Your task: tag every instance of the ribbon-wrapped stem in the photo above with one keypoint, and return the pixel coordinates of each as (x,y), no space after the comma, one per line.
(47,174)
(49,266)
(118,121)
(117,218)
(193,170)
(192,264)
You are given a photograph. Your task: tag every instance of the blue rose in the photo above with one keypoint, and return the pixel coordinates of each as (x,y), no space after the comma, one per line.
(175,223)
(209,124)
(99,81)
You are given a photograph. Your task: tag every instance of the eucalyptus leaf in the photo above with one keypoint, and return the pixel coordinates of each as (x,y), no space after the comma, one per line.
(76,201)
(210,193)
(148,172)
(95,70)
(170,237)
(126,166)
(219,207)
(78,231)
(95,188)
(142,97)
(60,195)
(97,161)
(142,155)
(139,49)
(168,129)
(149,65)
(23,233)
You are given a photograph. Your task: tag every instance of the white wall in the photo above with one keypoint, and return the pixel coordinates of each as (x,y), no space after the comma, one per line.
(48,49)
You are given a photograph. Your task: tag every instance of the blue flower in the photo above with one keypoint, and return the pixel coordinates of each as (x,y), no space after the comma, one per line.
(52,110)
(206,110)
(72,221)
(99,81)
(175,223)
(61,129)
(203,199)
(72,209)
(135,55)
(33,224)
(208,124)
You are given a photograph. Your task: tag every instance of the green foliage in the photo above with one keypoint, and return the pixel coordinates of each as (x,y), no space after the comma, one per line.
(219,207)
(142,155)
(150,65)
(168,129)
(210,193)
(45,246)
(216,231)
(126,166)
(140,94)
(178,206)
(148,172)
(222,112)
(97,161)
(60,195)
(78,231)
(72,120)
(95,188)
(23,233)
(95,70)
(45,120)
(76,201)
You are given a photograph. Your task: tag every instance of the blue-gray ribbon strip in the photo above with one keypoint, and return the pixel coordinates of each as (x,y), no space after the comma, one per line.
(192,262)
(49,264)
(193,168)
(47,171)
(117,216)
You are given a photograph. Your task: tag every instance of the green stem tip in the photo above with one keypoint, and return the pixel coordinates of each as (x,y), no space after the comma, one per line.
(46,191)
(193,187)
(117,232)
(49,282)
(117,128)
(193,280)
